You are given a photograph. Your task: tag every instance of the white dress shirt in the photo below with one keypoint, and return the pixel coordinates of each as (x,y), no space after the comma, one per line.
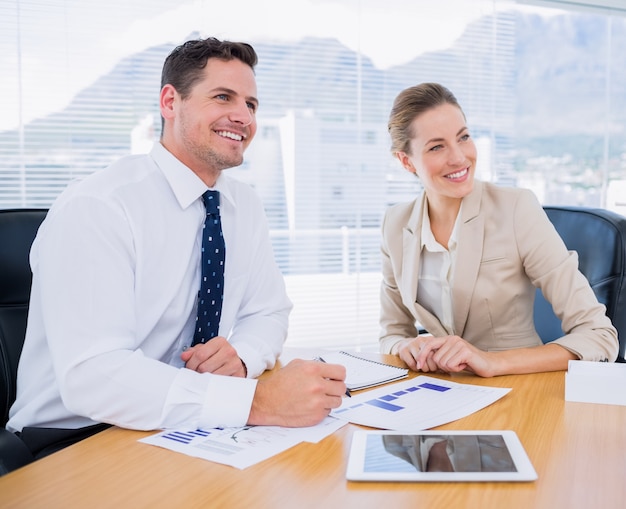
(116,273)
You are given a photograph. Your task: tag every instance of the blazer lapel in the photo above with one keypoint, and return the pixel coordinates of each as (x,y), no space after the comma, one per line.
(412,250)
(469,254)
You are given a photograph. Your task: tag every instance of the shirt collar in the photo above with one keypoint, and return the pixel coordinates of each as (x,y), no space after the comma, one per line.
(428,239)
(185,184)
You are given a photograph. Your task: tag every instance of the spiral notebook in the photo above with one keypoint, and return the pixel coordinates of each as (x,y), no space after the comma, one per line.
(362,373)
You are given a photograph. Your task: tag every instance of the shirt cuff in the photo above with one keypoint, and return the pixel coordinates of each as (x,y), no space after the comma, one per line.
(253,359)
(227,401)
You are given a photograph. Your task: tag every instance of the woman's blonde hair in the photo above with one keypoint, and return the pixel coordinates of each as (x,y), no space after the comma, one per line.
(409,104)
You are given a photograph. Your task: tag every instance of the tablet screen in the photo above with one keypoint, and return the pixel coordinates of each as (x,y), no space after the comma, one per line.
(438,456)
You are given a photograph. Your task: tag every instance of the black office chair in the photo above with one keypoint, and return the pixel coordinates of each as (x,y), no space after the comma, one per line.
(599,238)
(18,228)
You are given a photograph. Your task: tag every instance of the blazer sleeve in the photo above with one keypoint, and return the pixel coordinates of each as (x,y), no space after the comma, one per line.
(588,332)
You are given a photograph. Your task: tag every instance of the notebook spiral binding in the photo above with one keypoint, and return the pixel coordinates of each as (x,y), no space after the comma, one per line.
(372,361)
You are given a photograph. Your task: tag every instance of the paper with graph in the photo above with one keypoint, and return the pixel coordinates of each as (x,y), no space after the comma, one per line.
(419,403)
(243,446)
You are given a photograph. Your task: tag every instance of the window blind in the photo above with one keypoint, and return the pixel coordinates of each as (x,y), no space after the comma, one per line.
(601,6)
(81,84)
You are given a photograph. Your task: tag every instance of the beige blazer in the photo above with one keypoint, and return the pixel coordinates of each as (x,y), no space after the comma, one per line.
(507,246)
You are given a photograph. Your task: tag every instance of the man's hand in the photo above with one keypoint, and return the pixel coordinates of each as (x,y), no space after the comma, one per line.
(300,394)
(216,356)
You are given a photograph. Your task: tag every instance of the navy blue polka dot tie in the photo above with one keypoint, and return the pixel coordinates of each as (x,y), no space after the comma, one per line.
(211,292)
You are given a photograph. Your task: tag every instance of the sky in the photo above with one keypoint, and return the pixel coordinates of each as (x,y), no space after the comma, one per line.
(66,48)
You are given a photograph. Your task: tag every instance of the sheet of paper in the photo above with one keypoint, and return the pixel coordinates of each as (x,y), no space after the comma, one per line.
(420,403)
(244,446)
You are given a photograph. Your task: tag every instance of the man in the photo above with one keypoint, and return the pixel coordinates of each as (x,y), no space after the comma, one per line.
(116,272)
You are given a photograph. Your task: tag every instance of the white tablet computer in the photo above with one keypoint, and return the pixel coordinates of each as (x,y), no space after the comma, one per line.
(438,456)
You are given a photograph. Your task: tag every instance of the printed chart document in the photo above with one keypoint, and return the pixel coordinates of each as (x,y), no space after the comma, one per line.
(241,447)
(417,404)
(362,373)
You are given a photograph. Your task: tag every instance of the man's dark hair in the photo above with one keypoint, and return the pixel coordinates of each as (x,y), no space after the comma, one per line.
(184,66)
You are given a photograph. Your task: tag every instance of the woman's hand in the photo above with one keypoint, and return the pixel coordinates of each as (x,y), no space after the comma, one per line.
(449,354)
(409,351)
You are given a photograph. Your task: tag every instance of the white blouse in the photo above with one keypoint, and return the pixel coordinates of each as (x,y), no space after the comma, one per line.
(436,273)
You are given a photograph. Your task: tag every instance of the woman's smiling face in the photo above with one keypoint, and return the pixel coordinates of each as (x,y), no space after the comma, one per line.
(443,154)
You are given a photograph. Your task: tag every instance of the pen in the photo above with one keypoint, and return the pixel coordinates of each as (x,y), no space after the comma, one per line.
(322,360)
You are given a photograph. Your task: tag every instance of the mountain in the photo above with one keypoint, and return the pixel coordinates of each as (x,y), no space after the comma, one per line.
(567,101)
(554,87)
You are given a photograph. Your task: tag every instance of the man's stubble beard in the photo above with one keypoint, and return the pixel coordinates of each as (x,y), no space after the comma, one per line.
(205,153)
(214,159)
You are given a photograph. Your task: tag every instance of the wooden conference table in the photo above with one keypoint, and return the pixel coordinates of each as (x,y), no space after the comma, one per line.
(577,449)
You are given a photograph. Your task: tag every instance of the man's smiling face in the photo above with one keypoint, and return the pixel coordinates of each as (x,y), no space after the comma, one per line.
(211,128)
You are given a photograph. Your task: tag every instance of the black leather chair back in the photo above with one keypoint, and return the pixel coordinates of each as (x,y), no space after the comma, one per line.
(599,238)
(18,228)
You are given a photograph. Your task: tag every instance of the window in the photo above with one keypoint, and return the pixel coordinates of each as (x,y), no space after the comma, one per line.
(543,89)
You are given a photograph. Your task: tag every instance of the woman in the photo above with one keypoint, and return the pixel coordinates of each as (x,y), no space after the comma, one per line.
(464,258)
